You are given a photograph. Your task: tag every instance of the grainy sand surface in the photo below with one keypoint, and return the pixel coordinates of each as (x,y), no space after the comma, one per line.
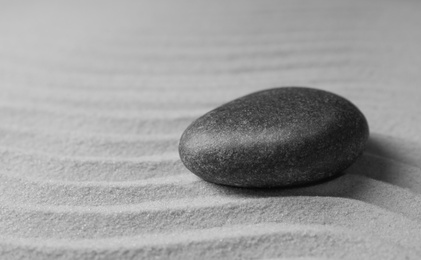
(94,96)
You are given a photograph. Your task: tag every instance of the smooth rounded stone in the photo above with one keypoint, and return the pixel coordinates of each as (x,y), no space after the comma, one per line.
(277,137)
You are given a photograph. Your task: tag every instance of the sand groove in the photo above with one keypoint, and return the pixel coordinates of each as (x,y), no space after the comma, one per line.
(95,95)
(40,190)
(85,123)
(280,240)
(54,167)
(185,214)
(92,145)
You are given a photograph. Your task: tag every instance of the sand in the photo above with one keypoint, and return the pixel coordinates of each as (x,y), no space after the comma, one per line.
(95,95)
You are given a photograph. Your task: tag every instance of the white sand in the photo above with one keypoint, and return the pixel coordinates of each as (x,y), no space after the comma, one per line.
(95,95)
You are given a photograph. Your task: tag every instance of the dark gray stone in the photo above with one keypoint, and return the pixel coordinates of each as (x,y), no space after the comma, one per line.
(277,137)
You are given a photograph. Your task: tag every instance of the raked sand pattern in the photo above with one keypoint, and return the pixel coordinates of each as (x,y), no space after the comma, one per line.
(94,96)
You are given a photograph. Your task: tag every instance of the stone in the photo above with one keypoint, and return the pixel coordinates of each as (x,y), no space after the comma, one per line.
(275,138)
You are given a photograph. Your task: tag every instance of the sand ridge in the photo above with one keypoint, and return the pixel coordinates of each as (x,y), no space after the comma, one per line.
(95,95)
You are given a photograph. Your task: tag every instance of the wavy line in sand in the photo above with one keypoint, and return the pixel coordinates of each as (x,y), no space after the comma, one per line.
(189,69)
(268,240)
(23,189)
(27,118)
(288,37)
(166,221)
(95,223)
(387,200)
(119,82)
(353,187)
(53,167)
(89,145)
(147,106)
(190,43)
(214,58)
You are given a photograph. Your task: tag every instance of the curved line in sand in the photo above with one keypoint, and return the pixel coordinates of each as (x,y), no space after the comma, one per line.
(182,215)
(294,37)
(169,70)
(53,167)
(183,84)
(73,102)
(269,240)
(295,41)
(163,82)
(227,58)
(50,120)
(78,145)
(47,191)
(50,111)
(114,108)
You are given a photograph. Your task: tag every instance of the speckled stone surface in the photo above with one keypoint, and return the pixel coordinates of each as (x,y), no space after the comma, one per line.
(277,137)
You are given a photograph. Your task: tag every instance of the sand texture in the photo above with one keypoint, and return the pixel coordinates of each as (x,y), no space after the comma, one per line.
(94,96)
